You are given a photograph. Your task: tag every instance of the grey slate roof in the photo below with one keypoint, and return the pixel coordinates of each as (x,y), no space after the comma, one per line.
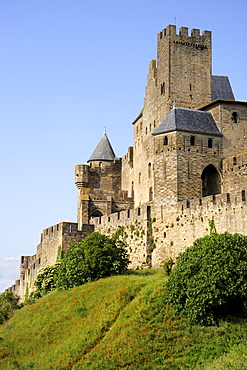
(221,88)
(183,119)
(103,151)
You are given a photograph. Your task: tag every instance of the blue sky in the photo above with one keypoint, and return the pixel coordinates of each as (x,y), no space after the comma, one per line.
(68,68)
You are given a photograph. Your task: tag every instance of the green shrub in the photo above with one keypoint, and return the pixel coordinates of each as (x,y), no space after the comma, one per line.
(45,281)
(209,280)
(93,258)
(9,303)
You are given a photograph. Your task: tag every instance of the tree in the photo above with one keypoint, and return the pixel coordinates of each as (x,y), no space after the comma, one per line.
(9,303)
(95,257)
(209,280)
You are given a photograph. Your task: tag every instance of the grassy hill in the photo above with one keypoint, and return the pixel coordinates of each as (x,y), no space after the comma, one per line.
(117,323)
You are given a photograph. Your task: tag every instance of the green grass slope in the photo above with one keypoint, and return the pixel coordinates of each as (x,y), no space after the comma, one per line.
(116,323)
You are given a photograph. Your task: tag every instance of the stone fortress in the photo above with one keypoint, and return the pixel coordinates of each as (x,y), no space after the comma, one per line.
(187,166)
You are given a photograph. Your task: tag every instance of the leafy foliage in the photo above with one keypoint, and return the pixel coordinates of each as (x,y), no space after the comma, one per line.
(93,258)
(45,281)
(209,280)
(9,303)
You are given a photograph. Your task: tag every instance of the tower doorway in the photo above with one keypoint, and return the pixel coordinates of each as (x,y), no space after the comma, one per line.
(211,181)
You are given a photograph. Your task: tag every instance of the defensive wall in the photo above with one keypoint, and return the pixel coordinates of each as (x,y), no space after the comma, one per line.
(154,233)
(59,235)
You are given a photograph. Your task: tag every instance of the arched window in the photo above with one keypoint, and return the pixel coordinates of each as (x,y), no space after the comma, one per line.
(211,181)
(210,143)
(192,140)
(97,213)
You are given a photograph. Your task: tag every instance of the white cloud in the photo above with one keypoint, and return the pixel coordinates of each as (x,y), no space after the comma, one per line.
(9,272)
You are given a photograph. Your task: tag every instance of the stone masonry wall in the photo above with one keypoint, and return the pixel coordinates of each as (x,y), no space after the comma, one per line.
(59,235)
(179,165)
(235,173)
(154,234)
(231,118)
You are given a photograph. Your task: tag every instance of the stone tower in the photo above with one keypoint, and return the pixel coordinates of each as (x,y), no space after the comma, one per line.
(99,184)
(182,74)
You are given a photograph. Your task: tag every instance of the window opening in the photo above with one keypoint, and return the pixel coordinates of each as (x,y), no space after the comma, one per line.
(162,89)
(234,117)
(165,140)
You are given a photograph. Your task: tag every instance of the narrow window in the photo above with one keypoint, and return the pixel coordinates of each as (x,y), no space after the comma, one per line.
(234,117)
(192,140)
(234,161)
(190,87)
(100,164)
(210,143)
(139,177)
(149,170)
(137,129)
(162,89)
(128,213)
(243,195)
(165,140)
(138,211)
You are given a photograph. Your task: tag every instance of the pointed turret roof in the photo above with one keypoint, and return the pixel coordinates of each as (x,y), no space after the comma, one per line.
(103,151)
(184,119)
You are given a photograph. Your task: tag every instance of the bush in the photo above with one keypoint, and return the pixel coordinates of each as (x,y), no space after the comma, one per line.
(95,257)
(9,303)
(45,281)
(209,280)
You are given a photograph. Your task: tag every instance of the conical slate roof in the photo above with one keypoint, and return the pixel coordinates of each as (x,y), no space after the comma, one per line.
(183,119)
(103,151)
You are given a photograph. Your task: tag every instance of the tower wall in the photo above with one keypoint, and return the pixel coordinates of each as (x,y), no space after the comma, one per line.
(180,159)
(231,118)
(183,73)
(184,68)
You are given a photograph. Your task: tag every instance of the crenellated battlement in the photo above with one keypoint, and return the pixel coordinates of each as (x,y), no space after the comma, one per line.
(183,35)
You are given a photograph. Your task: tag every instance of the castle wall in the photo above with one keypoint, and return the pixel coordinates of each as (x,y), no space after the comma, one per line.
(59,235)
(179,165)
(127,173)
(154,233)
(235,173)
(231,118)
